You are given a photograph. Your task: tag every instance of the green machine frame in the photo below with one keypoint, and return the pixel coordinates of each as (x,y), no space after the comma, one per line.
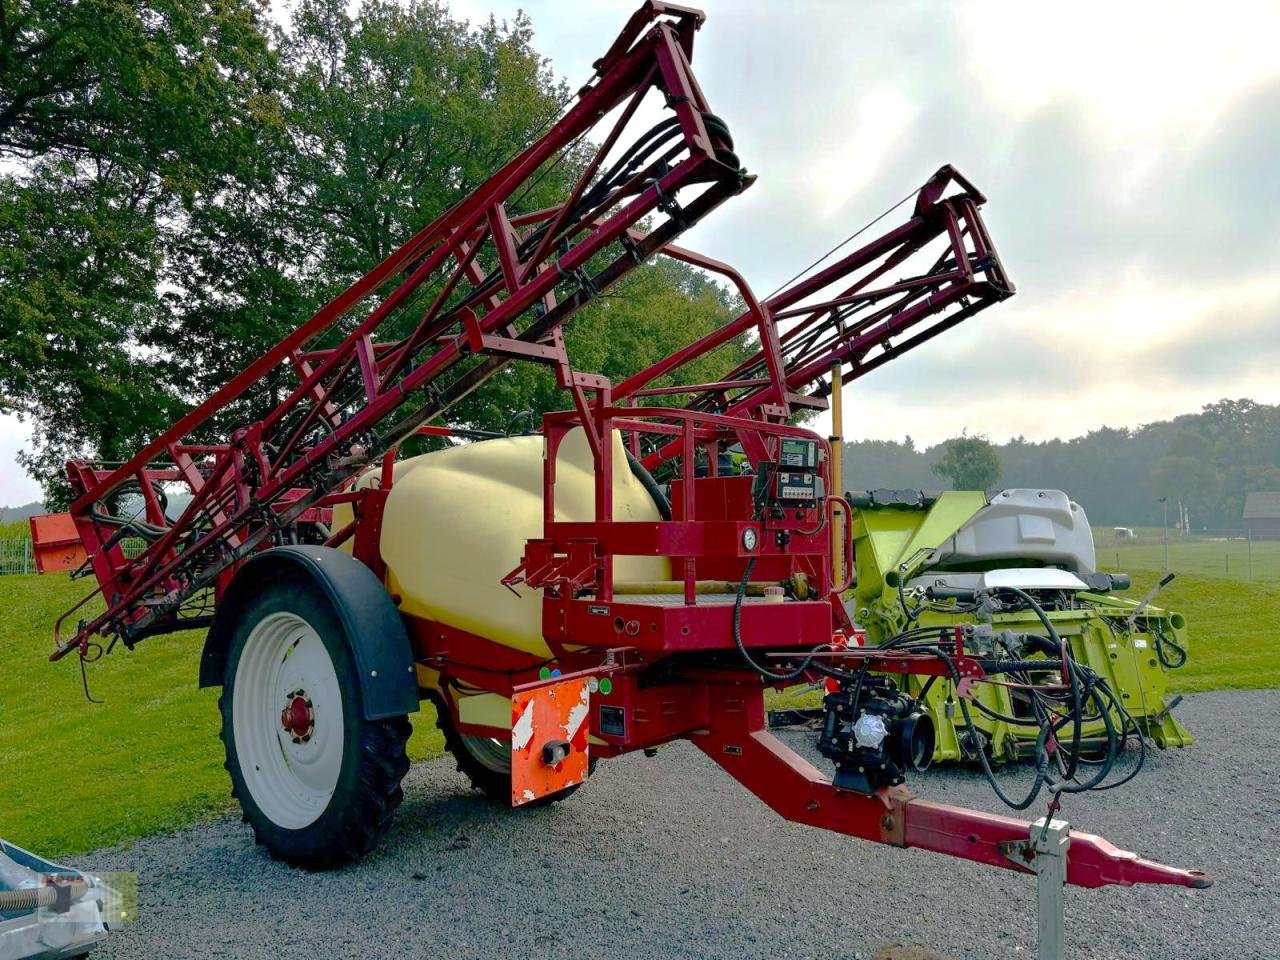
(1128,642)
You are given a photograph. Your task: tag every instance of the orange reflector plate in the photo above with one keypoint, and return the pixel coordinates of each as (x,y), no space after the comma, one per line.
(542,717)
(55,542)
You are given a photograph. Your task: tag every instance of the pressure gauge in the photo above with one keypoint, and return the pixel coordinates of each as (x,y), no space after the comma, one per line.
(749,539)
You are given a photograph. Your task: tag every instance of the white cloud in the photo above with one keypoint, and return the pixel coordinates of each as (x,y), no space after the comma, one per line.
(1144,69)
(1124,355)
(16,488)
(877,123)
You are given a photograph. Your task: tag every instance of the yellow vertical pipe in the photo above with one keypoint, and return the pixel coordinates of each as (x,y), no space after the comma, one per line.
(837,472)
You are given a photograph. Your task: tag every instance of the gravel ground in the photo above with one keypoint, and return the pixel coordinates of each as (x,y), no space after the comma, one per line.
(669,858)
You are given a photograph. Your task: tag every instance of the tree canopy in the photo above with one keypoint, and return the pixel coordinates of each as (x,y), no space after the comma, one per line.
(970,463)
(186,182)
(116,119)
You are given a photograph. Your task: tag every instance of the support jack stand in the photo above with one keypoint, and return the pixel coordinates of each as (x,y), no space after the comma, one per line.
(1044,853)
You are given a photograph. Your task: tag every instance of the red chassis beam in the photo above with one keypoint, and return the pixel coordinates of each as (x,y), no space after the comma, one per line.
(738,741)
(722,712)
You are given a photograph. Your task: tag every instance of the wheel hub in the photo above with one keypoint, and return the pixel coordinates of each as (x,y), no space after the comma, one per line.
(298,717)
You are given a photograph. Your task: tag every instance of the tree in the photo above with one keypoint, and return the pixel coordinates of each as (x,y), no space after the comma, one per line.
(386,119)
(191,185)
(114,117)
(1210,460)
(1187,473)
(970,463)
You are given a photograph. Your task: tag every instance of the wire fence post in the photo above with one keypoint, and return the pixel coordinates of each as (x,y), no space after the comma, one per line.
(26,556)
(1250,541)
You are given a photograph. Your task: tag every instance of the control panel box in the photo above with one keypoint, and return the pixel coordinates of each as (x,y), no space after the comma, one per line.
(798,454)
(795,489)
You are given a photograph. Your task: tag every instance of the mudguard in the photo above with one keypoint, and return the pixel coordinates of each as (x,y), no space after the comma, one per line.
(374,630)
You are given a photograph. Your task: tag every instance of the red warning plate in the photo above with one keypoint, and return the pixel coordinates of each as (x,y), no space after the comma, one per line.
(56,543)
(549,730)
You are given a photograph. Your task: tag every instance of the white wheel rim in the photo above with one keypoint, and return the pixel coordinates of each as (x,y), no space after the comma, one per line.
(291,772)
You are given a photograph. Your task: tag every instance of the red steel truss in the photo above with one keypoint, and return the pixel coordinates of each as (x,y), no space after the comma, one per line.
(488,283)
(848,316)
(432,322)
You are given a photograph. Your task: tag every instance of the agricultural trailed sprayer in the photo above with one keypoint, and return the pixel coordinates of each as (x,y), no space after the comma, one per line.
(614,582)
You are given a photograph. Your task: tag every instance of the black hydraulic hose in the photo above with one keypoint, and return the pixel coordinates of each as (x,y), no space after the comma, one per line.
(912,633)
(635,157)
(1042,757)
(742,647)
(141,528)
(1086,688)
(924,691)
(1019,666)
(1077,705)
(852,676)
(1161,642)
(1004,718)
(650,485)
(912,614)
(1127,721)
(1108,762)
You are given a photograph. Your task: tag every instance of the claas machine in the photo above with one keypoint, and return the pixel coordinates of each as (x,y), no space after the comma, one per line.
(639,570)
(929,560)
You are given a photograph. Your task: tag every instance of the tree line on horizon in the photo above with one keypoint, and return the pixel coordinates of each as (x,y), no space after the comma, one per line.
(1208,461)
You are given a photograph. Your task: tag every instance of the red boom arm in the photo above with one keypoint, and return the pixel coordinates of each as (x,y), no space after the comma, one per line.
(483,281)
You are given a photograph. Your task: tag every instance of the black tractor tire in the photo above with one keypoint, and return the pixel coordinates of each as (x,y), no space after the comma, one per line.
(370,759)
(494,784)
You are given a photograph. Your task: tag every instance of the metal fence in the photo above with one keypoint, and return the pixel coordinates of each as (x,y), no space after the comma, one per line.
(16,557)
(1230,554)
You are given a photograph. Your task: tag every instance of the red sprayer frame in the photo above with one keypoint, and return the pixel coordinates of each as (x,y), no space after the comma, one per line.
(486,284)
(360,397)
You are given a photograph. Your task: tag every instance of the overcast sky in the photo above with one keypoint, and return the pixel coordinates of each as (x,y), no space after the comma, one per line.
(1130,153)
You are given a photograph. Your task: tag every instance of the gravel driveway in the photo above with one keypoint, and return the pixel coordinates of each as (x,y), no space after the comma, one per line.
(669,858)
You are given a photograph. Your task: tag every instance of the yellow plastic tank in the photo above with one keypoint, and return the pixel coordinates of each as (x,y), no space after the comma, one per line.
(456,522)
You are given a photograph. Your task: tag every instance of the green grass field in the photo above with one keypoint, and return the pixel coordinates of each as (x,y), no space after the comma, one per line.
(1231,558)
(78,775)
(18,530)
(1232,629)
(1231,617)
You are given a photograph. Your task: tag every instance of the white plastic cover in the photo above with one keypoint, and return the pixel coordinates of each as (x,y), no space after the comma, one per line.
(1044,526)
(41,933)
(1033,578)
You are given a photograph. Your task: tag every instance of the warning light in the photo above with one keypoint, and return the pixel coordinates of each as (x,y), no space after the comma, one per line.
(606,686)
(544,673)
